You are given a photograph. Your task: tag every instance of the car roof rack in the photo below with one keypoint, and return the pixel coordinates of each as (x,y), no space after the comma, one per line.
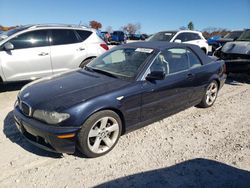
(56,25)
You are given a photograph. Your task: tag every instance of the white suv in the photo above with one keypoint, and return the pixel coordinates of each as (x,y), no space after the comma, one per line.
(35,51)
(185,36)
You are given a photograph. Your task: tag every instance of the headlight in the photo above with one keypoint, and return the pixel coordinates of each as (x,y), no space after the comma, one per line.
(50,117)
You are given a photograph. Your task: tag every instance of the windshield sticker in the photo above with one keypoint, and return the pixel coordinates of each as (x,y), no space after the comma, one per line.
(145,50)
(169,34)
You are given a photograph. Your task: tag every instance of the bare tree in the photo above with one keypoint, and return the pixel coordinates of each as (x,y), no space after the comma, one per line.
(182,28)
(131,28)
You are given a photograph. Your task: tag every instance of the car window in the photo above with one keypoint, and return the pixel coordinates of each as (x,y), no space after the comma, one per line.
(184,37)
(195,36)
(176,59)
(115,57)
(162,36)
(160,63)
(30,39)
(194,61)
(123,63)
(84,34)
(63,36)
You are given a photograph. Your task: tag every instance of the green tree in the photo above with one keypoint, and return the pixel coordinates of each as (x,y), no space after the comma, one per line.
(191,26)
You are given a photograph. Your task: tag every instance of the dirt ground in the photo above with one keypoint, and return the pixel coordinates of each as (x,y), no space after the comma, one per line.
(194,148)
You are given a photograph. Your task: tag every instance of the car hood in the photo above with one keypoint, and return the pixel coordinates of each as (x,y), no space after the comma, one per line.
(237,47)
(63,91)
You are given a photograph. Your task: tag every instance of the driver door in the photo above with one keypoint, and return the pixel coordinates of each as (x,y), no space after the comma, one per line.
(167,96)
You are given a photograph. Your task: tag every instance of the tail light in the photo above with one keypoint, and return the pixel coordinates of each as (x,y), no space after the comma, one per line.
(104,46)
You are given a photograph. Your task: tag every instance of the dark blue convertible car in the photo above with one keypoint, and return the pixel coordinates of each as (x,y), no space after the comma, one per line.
(128,87)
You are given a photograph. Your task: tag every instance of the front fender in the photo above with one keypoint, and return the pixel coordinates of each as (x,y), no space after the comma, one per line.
(81,112)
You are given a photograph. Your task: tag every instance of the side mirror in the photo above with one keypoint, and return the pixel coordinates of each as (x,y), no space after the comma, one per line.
(177,40)
(156,75)
(8,46)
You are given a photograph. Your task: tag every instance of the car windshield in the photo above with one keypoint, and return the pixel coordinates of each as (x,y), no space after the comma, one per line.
(6,34)
(245,36)
(162,36)
(121,63)
(233,35)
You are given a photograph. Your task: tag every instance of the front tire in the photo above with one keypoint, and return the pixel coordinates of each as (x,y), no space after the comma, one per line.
(210,95)
(99,134)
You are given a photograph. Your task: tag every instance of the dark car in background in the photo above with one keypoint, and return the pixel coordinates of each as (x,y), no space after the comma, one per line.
(217,42)
(236,54)
(128,87)
(137,36)
(118,37)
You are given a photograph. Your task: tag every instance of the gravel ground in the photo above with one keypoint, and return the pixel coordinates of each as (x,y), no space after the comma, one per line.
(194,148)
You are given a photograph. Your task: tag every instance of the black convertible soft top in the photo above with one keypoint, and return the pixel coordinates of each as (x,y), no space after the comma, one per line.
(161,45)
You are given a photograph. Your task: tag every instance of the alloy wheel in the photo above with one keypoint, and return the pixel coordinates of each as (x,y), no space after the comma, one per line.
(103,135)
(211,93)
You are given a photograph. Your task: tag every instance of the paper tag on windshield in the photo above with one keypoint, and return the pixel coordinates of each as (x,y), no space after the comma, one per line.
(168,34)
(145,50)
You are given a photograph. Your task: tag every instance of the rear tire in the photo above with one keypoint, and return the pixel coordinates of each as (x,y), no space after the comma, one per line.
(99,134)
(85,62)
(210,96)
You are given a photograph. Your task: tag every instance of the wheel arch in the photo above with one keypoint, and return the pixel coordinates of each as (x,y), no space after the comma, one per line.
(117,111)
(120,114)
(90,57)
(218,82)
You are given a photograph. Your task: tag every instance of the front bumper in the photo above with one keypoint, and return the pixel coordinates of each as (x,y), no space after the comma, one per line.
(238,65)
(45,136)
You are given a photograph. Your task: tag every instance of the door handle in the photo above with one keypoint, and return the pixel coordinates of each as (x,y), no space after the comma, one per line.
(43,54)
(81,49)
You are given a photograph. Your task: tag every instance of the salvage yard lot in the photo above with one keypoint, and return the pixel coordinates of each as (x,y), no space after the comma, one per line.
(197,147)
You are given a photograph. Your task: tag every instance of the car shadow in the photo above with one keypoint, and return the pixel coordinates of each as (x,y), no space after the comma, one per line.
(11,132)
(13,86)
(200,173)
(238,79)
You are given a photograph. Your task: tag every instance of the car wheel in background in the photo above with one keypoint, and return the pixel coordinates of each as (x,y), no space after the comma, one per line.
(85,62)
(210,95)
(100,133)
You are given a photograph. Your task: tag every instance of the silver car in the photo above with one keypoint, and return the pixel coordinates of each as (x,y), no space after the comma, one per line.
(34,51)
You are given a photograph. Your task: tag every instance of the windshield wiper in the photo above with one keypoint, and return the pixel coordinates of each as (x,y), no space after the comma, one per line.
(102,72)
(88,68)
